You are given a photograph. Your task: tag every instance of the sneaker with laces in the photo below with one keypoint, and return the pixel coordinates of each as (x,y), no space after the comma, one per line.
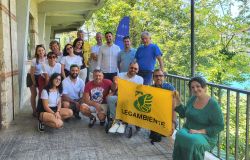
(92,122)
(41,126)
(121,128)
(114,127)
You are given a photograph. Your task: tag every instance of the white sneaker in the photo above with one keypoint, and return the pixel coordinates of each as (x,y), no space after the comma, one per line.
(121,129)
(114,128)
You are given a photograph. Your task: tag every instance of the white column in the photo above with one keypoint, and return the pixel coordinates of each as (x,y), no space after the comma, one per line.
(22,16)
(41,27)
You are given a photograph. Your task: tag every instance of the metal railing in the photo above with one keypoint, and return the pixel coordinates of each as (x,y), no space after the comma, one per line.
(233,142)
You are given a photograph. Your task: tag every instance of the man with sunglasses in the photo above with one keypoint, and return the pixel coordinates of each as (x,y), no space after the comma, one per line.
(131,76)
(158,77)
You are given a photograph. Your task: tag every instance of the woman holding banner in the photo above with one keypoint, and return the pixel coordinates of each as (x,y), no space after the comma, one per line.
(204,120)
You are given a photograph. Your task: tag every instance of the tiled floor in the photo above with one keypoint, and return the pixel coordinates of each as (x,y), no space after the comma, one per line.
(22,141)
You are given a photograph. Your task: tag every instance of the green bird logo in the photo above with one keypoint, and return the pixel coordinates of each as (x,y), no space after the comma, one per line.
(143,102)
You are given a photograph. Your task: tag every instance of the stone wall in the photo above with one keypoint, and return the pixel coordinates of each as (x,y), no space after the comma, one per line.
(9,87)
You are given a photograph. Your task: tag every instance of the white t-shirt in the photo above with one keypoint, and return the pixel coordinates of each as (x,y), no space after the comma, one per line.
(53,97)
(92,63)
(71,89)
(50,70)
(108,58)
(136,79)
(38,66)
(69,60)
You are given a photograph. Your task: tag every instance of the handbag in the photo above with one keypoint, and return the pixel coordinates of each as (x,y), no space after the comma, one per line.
(29,82)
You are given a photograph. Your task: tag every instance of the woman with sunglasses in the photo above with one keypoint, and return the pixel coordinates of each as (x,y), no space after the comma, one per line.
(51,67)
(68,59)
(35,73)
(77,45)
(50,112)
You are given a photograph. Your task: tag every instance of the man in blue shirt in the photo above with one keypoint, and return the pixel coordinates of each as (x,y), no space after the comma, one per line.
(146,56)
(126,56)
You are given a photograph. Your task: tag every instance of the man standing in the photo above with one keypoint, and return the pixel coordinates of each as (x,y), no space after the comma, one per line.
(126,56)
(94,54)
(94,96)
(55,48)
(158,78)
(146,56)
(131,76)
(73,88)
(108,56)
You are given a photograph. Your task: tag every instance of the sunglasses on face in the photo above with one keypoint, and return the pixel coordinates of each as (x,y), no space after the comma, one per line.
(69,48)
(50,57)
(159,75)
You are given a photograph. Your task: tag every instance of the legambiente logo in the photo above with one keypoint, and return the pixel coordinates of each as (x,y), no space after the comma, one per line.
(143,102)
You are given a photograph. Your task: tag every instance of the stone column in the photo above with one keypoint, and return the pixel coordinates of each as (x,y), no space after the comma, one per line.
(9,86)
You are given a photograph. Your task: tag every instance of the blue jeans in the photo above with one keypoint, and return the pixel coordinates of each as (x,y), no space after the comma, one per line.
(147,76)
(111,101)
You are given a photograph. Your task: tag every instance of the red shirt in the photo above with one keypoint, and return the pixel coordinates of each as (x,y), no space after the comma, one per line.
(98,93)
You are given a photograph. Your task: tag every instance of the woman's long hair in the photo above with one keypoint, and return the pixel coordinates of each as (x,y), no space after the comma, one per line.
(65,52)
(77,40)
(50,84)
(36,54)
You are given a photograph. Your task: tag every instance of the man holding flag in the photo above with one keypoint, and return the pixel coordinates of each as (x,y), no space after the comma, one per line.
(149,107)
(131,76)
(158,77)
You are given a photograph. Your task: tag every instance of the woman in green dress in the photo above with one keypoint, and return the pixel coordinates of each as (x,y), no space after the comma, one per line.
(204,120)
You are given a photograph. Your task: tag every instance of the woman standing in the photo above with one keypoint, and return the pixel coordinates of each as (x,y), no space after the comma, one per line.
(204,120)
(78,44)
(50,112)
(35,73)
(68,59)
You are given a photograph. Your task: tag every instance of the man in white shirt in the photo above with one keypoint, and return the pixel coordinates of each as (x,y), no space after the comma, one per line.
(94,54)
(131,76)
(73,88)
(108,57)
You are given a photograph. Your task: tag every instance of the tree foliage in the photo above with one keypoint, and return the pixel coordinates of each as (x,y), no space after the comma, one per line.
(221,38)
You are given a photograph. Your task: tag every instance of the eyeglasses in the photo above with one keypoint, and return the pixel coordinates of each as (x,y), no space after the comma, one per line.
(69,48)
(159,75)
(133,68)
(50,57)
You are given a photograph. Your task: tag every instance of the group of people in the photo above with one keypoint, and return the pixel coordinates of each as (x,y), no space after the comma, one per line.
(84,79)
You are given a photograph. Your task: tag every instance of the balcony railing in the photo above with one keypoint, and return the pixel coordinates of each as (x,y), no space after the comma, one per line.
(233,142)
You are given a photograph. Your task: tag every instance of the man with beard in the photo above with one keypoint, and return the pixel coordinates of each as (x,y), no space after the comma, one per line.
(131,76)
(126,56)
(94,96)
(73,88)
(108,57)
(158,77)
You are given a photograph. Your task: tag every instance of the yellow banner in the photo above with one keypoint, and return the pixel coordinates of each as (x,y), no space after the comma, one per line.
(145,106)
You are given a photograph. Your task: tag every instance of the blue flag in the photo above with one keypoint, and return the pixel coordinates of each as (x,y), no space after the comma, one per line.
(122,31)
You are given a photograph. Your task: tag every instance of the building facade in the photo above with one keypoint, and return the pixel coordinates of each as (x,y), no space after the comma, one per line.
(23,25)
